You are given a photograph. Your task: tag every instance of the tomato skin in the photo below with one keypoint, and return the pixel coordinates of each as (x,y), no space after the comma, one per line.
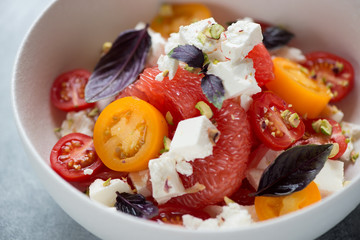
(68,91)
(263,65)
(311,137)
(268,124)
(296,87)
(271,207)
(72,154)
(172,213)
(128,133)
(324,68)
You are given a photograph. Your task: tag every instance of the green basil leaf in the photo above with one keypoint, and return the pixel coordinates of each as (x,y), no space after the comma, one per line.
(293,170)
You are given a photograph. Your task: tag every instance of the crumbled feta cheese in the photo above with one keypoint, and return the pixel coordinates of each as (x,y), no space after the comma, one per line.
(77,122)
(140,180)
(165,180)
(293,54)
(157,45)
(239,39)
(168,66)
(184,168)
(191,34)
(331,177)
(107,194)
(88,171)
(191,139)
(351,132)
(238,79)
(232,216)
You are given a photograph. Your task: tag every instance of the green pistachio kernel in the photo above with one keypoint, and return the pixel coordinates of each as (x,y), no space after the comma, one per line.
(202,38)
(323,126)
(216,30)
(334,150)
(167,142)
(169,118)
(204,109)
(107,182)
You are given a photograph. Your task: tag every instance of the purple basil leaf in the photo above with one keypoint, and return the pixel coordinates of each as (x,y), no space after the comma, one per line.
(293,170)
(189,54)
(136,205)
(213,89)
(276,37)
(120,66)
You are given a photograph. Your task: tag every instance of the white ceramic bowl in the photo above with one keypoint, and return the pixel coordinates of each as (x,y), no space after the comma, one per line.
(68,35)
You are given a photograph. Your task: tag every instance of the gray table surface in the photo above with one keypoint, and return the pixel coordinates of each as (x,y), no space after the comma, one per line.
(26,210)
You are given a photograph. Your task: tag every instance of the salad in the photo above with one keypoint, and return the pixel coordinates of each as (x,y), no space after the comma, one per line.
(188,122)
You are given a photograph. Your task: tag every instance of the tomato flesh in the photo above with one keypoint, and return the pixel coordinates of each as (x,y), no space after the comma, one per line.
(269,123)
(73,154)
(312,137)
(336,72)
(68,91)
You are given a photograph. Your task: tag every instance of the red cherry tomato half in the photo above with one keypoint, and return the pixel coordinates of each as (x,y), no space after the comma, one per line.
(336,72)
(172,213)
(68,91)
(312,137)
(274,122)
(73,154)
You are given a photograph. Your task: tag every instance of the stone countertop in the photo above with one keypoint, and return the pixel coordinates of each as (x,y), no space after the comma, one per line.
(26,209)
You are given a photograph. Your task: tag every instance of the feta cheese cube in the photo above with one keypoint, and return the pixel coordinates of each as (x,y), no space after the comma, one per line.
(140,180)
(239,39)
(331,177)
(77,122)
(107,194)
(165,180)
(184,168)
(238,79)
(190,34)
(191,139)
(352,132)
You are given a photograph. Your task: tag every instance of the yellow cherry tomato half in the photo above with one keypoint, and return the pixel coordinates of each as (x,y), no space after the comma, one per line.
(293,84)
(271,207)
(172,16)
(128,133)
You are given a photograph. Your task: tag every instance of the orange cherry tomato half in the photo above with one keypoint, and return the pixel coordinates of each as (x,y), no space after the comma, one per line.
(295,86)
(172,16)
(271,207)
(68,91)
(336,72)
(128,133)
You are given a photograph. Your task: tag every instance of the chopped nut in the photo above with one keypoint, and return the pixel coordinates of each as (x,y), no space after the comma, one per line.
(214,135)
(169,118)
(107,182)
(204,109)
(216,30)
(106,48)
(228,200)
(334,150)
(323,126)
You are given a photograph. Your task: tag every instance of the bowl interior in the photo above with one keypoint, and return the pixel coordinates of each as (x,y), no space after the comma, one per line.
(70,34)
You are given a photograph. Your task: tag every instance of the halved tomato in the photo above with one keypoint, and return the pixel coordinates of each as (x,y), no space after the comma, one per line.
(313,137)
(68,91)
(274,122)
(73,155)
(336,72)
